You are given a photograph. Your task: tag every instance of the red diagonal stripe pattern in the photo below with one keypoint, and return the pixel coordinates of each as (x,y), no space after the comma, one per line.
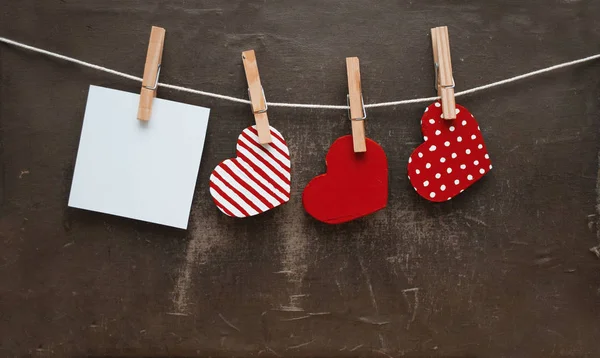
(257,180)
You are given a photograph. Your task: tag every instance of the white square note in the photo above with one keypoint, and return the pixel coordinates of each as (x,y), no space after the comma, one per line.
(136,169)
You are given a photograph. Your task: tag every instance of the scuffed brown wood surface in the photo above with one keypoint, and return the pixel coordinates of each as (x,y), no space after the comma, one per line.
(502,271)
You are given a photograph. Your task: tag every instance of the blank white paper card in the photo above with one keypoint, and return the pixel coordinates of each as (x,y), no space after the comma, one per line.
(135,169)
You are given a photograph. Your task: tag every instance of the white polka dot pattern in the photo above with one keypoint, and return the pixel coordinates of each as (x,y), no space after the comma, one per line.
(454,157)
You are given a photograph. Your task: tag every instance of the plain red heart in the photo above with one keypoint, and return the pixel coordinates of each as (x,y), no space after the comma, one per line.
(452,158)
(355,185)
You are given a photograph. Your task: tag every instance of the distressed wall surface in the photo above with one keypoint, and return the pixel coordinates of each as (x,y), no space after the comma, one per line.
(504,270)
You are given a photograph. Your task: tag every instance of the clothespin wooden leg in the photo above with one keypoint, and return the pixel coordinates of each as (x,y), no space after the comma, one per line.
(436,60)
(262,127)
(256,93)
(151,72)
(443,68)
(356,103)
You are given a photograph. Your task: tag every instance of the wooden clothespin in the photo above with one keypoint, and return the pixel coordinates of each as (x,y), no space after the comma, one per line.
(444,81)
(151,72)
(356,112)
(256,93)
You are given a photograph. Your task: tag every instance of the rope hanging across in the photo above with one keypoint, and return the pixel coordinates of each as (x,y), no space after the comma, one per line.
(300,105)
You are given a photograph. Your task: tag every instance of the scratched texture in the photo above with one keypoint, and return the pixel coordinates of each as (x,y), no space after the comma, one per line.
(504,270)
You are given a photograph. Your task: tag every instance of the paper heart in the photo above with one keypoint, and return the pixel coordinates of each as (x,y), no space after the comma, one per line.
(355,185)
(257,180)
(452,158)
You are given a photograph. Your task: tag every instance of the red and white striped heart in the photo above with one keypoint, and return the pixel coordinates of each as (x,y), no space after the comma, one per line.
(257,180)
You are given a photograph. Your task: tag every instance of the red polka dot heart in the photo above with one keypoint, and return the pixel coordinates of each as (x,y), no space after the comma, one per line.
(451,159)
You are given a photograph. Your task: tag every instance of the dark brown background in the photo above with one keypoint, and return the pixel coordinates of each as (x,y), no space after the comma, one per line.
(504,270)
